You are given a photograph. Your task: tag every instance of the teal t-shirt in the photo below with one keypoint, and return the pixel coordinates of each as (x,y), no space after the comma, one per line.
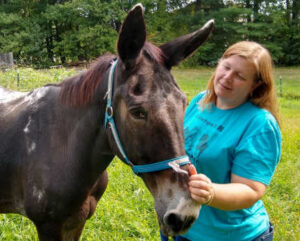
(245,141)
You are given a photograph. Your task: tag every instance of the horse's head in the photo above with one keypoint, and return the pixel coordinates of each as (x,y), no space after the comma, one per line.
(149,112)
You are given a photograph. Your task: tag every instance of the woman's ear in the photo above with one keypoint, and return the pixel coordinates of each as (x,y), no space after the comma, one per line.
(256,84)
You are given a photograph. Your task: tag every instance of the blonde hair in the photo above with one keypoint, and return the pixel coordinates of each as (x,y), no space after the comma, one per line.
(264,95)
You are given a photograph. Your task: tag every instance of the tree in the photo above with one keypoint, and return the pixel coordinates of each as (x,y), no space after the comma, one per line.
(47,32)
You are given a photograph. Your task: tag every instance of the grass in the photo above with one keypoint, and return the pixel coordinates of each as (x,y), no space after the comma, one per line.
(126,211)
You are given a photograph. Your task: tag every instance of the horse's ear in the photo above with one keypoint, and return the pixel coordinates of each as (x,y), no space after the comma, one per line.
(179,48)
(132,36)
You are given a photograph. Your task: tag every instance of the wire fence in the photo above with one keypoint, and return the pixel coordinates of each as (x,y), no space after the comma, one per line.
(192,81)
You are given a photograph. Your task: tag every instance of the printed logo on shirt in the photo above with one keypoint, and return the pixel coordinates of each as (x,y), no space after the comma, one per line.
(202,145)
(188,133)
(220,128)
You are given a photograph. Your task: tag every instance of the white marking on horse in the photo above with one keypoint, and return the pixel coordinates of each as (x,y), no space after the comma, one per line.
(31,147)
(39,194)
(26,129)
(181,203)
(30,144)
(36,95)
(7,95)
(186,207)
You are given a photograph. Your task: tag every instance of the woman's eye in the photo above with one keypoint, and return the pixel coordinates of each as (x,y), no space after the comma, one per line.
(139,114)
(241,77)
(226,67)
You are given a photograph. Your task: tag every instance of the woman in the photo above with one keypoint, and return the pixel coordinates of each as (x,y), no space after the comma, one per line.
(233,139)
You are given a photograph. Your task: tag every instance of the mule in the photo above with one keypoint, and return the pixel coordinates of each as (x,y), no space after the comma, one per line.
(55,143)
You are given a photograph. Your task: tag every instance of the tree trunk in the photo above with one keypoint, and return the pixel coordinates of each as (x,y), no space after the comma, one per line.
(255,9)
(248,6)
(288,11)
(49,42)
(58,39)
(80,56)
(295,10)
(198,6)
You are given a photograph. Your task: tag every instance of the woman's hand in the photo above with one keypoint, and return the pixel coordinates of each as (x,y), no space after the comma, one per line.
(200,187)
(239,194)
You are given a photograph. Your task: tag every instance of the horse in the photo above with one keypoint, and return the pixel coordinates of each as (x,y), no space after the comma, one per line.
(57,141)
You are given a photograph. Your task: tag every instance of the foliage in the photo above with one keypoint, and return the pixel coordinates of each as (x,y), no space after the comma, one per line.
(126,211)
(44,33)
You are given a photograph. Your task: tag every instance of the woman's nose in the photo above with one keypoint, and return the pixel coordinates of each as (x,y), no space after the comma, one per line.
(229,75)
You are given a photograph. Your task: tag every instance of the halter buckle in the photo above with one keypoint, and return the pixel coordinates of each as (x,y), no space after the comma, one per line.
(109,111)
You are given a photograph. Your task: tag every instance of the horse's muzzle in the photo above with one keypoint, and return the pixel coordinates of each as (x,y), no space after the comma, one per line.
(177,223)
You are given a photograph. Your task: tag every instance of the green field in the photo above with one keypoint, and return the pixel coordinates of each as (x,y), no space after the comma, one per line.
(126,211)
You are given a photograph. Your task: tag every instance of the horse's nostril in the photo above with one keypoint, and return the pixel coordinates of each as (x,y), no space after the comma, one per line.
(188,222)
(174,221)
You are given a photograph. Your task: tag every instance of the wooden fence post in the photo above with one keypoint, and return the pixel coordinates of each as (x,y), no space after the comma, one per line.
(280,86)
(18,78)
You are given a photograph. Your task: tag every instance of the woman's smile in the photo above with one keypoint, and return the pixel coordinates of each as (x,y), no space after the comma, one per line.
(224,86)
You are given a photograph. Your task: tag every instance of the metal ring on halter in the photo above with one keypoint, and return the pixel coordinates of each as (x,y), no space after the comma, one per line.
(109,111)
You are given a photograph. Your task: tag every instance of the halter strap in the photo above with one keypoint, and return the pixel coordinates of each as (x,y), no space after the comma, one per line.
(109,121)
(159,166)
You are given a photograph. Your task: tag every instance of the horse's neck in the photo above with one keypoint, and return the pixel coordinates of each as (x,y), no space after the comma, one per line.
(89,122)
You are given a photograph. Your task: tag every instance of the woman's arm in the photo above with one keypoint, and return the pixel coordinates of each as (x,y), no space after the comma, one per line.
(239,194)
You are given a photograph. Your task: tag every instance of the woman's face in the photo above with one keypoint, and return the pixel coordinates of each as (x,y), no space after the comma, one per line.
(234,81)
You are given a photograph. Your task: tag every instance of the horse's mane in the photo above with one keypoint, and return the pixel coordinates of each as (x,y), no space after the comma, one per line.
(80,89)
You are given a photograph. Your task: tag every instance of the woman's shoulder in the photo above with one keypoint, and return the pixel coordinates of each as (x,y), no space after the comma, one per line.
(261,120)
(193,106)
(261,114)
(196,100)
(199,96)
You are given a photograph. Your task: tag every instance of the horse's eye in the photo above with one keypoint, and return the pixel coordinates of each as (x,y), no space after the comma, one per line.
(139,113)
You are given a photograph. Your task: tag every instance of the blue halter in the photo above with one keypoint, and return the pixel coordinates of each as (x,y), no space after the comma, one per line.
(109,120)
